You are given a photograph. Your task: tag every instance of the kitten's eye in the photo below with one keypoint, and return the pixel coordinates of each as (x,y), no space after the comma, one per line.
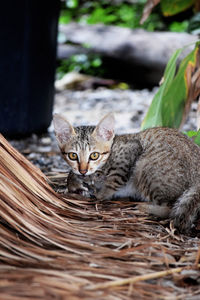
(94,156)
(72,156)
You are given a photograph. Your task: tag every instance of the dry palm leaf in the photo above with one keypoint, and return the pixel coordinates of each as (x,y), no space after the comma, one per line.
(198,114)
(192,78)
(54,247)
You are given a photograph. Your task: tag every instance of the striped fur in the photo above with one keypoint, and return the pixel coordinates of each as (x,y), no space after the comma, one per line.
(83,141)
(160,165)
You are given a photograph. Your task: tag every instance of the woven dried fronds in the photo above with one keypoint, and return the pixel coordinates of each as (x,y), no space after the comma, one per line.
(54,247)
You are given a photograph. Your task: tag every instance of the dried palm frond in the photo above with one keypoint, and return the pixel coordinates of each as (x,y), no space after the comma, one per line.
(58,247)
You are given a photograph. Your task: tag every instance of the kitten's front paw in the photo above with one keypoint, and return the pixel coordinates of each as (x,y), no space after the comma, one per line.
(96,185)
(103,194)
(76,185)
(78,189)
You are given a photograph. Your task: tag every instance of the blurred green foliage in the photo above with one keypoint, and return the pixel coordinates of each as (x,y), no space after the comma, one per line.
(118,13)
(128,14)
(92,12)
(179,26)
(82,63)
(123,14)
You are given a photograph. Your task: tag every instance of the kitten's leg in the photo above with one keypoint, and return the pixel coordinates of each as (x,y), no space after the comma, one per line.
(186,209)
(106,186)
(160,211)
(104,193)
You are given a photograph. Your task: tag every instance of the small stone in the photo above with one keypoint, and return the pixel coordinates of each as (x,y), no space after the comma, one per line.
(46,140)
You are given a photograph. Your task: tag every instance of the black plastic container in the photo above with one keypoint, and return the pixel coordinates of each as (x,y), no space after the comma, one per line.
(28,31)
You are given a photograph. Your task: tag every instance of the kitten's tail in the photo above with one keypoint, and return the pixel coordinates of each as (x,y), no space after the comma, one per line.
(186,209)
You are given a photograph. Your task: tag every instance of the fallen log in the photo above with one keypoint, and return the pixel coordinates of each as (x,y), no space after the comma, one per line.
(135,55)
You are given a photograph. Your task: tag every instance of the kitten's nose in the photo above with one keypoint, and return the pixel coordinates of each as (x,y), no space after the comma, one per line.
(83,172)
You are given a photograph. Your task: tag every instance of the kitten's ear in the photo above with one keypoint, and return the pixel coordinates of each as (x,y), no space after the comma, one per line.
(105,128)
(63,129)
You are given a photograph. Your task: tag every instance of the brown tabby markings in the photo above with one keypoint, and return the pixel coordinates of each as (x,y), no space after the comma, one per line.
(160,165)
(83,141)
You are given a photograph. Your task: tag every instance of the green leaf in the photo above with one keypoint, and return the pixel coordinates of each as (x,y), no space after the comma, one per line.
(194,135)
(154,116)
(179,26)
(173,7)
(97,62)
(167,107)
(191,133)
(197,138)
(101,15)
(65,17)
(72,3)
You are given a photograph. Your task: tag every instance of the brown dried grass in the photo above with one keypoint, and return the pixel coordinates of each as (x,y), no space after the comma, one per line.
(58,247)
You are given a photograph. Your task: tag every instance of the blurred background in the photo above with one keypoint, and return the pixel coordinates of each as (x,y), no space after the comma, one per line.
(84,59)
(108,60)
(122,15)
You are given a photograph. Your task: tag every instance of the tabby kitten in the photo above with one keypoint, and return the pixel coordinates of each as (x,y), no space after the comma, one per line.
(160,165)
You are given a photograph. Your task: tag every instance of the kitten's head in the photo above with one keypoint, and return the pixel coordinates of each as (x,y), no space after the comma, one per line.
(85,148)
